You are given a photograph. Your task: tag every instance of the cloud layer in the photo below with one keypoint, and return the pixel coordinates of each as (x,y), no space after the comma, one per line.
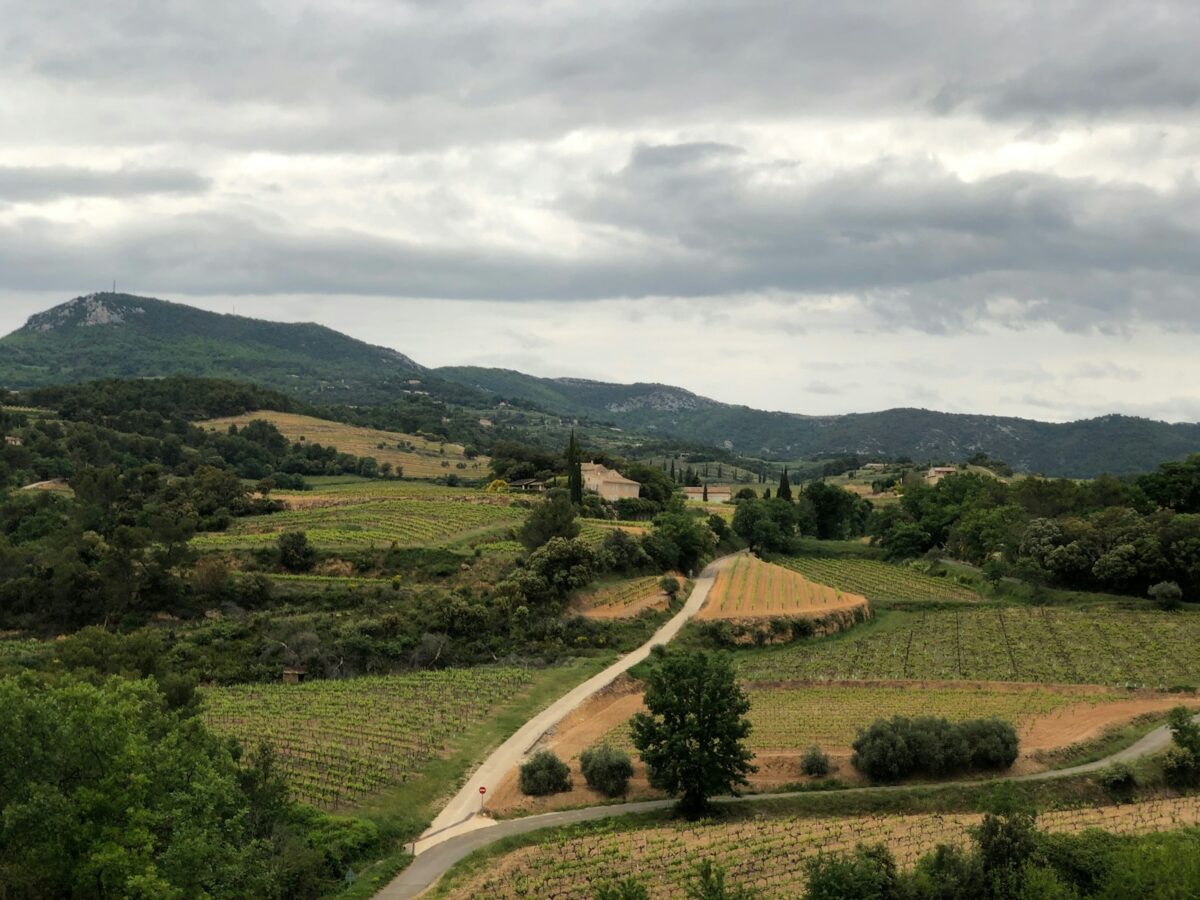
(937,167)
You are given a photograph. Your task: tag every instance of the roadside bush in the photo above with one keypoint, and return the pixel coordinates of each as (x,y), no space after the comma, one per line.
(544,774)
(607,769)
(891,749)
(1118,779)
(670,586)
(815,763)
(869,873)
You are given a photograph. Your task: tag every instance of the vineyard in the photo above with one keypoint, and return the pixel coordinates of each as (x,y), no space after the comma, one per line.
(877,580)
(765,854)
(593,531)
(340,741)
(417,456)
(625,598)
(405,522)
(750,588)
(1097,646)
(787,717)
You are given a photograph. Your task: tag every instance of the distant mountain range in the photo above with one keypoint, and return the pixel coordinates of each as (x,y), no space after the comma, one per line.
(118,335)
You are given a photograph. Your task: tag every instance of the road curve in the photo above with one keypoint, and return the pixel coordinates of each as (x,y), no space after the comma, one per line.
(459,816)
(433,863)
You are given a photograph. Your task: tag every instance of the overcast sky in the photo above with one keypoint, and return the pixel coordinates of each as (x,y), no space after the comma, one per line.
(810,206)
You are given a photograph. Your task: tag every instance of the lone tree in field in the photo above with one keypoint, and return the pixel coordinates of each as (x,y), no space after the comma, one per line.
(693,737)
(574,470)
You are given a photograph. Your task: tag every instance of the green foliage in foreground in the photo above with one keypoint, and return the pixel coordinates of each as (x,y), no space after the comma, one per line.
(105,792)
(1011,860)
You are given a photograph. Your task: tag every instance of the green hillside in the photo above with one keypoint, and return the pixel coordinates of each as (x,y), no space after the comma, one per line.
(119,335)
(122,336)
(1114,444)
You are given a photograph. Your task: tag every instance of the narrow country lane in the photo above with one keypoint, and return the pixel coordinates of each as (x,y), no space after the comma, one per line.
(459,819)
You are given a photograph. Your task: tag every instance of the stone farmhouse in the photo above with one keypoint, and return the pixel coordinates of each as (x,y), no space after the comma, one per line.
(715,494)
(608,484)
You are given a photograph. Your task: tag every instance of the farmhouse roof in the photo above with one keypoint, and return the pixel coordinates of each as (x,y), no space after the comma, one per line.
(605,474)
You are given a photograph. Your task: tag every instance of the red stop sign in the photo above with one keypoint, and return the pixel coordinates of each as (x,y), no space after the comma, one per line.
(482,789)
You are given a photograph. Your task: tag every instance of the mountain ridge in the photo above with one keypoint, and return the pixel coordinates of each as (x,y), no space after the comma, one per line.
(120,335)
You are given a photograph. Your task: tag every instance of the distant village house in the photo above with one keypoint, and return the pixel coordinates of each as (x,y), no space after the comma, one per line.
(608,484)
(937,473)
(527,486)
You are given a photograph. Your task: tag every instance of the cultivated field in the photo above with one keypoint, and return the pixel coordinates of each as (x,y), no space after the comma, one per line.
(760,852)
(404,522)
(796,716)
(877,580)
(625,598)
(593,531)
(340,741)
(1094,646)
(750,589)
(417,456)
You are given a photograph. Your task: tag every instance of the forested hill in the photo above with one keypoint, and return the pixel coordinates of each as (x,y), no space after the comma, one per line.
(119,335)
(1114,444)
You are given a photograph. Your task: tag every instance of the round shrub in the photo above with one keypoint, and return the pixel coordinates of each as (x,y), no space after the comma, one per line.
(606,769)
(882,752)
(993,743)
(1118,778)
(544,774)
(815,763)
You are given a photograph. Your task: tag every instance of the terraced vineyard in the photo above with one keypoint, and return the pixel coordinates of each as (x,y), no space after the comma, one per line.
(761,853)
(877,580)
(615,600)
(418,456)
(1095,646)
(750,588)
(593,531)
(340,741)
(405,522)
(794,717)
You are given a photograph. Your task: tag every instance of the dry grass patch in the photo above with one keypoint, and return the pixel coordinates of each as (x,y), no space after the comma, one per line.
(417,456)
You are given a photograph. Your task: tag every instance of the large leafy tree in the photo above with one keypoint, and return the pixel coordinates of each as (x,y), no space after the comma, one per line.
(554,517)
(692,738)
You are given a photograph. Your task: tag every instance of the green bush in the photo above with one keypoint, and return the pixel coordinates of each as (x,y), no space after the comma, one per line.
(891,749)
(544,774)
(1118,778)
(607,769)
(815,762)
(869,873)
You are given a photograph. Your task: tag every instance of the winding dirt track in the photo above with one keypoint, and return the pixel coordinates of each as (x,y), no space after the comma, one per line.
(460,815)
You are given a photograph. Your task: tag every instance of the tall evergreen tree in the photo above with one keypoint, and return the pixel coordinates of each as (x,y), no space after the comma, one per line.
(705,492)
(574,470)
(785,488)
(673,469)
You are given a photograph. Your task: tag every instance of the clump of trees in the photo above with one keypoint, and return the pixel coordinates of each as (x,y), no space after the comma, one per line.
(108,791)
(896,748)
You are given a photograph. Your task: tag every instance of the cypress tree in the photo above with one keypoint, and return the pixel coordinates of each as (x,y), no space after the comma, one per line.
(673,468)
(706,492)
(574,470)
(785,489)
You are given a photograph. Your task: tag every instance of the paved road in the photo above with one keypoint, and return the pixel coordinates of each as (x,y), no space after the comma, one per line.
(460,815)
(432,864)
